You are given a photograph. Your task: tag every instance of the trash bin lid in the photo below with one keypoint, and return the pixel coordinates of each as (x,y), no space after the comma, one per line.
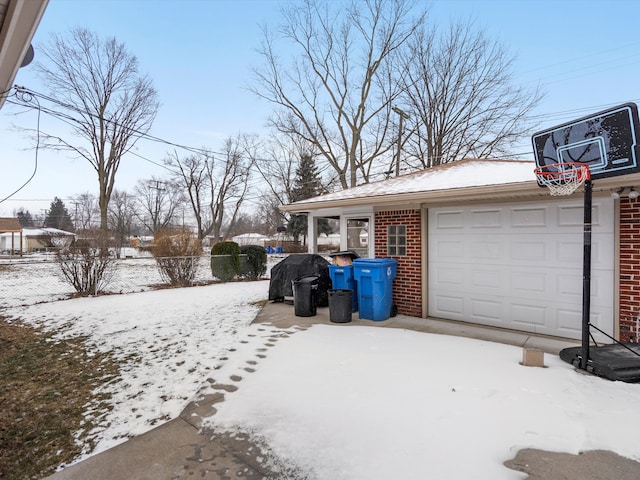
(307,279)
(375,261)
(345,253)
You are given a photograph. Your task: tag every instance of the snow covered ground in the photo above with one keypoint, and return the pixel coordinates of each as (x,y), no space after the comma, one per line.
(37,278)
(169,342)
(366,403)
(341,402)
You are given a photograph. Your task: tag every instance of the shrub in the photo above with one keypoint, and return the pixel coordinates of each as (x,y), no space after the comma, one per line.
(87,264)
(255,261)
(177,253)
(225,260)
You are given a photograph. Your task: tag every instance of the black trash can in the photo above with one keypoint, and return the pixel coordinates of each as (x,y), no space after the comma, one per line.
(340,305)
(305,296)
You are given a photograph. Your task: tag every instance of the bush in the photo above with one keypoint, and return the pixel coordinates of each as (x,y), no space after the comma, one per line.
(87,264)
(255,261)
(225,260)
(177,253)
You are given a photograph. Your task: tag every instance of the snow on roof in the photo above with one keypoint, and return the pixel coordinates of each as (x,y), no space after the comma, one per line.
(250,235)
(39,232)
(460,174)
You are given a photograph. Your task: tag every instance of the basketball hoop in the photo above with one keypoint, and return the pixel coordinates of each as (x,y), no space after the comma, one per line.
(562,178)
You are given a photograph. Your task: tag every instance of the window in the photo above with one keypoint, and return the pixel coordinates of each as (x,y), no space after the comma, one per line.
(396,240)
(358,236)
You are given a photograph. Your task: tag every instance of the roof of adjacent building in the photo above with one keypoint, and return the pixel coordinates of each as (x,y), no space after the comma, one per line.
(10,224)
(40,232)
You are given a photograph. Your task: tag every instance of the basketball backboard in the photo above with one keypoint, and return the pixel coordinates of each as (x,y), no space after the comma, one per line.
(607,141)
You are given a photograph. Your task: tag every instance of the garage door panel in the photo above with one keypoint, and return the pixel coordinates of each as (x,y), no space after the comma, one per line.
(528,251)
(449,306)
(527,283)
(572,215)
(602,257)
(569,285)
(567,251)
(451,276)
(486,250)
(570,320)
(448,250)
(487,309)
(487,279)
(601,288)
(525,315)
(486,219)
(529,217)
(520,266)
(449,219)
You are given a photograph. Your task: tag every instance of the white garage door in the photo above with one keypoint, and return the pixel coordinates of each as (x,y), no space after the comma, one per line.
(520,266)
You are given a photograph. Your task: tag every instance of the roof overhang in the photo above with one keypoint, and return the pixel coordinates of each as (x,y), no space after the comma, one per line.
(514,191)
(19,20)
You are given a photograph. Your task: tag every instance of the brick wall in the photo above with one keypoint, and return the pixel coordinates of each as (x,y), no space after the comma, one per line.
(629,270)
(407,287)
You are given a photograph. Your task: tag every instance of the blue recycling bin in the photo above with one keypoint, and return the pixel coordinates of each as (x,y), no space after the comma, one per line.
(342,279)
(374,277)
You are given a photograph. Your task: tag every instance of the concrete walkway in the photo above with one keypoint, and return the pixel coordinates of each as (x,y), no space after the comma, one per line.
(180,449)
(282,315)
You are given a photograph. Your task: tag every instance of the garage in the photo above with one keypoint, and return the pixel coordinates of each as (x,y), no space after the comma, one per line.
(519,265)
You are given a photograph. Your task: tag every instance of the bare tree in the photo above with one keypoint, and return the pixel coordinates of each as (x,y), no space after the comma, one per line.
(121,216)
(215,186)
(112,104)
(338,92)
(459,89)
(279,158)
(158,201)
(85,211)
(277,164)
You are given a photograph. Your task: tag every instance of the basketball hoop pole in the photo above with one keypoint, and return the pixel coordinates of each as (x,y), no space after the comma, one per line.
(586,275)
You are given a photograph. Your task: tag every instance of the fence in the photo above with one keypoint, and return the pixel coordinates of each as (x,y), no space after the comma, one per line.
(31,280)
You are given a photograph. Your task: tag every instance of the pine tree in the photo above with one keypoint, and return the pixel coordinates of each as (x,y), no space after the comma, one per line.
(307,184)
(58,216)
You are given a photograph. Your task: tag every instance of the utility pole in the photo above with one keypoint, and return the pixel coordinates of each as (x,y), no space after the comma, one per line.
(75,215)
(403,115)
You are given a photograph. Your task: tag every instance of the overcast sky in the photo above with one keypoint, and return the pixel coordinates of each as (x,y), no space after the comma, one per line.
(199,54)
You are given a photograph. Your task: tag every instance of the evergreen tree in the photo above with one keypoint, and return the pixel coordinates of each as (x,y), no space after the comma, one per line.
(26,220)
(307,184)
(58,216)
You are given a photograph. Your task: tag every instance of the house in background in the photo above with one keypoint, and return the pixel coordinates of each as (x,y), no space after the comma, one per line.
(34,240)
(251,239)
(479,241)
(10,236)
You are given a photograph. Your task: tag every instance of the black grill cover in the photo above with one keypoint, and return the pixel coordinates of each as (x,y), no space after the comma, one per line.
(297,266)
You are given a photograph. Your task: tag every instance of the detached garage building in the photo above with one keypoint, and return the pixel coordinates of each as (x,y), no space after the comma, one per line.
(479,241)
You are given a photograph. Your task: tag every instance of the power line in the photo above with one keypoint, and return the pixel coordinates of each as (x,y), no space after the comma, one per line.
(35,166)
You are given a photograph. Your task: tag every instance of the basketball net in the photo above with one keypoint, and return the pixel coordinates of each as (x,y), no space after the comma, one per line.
(562,178)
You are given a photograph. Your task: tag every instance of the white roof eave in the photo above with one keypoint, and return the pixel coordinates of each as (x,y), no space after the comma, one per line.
(518,190)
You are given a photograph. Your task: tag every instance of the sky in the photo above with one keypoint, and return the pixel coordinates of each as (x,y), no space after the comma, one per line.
(199,53)
(338,401)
